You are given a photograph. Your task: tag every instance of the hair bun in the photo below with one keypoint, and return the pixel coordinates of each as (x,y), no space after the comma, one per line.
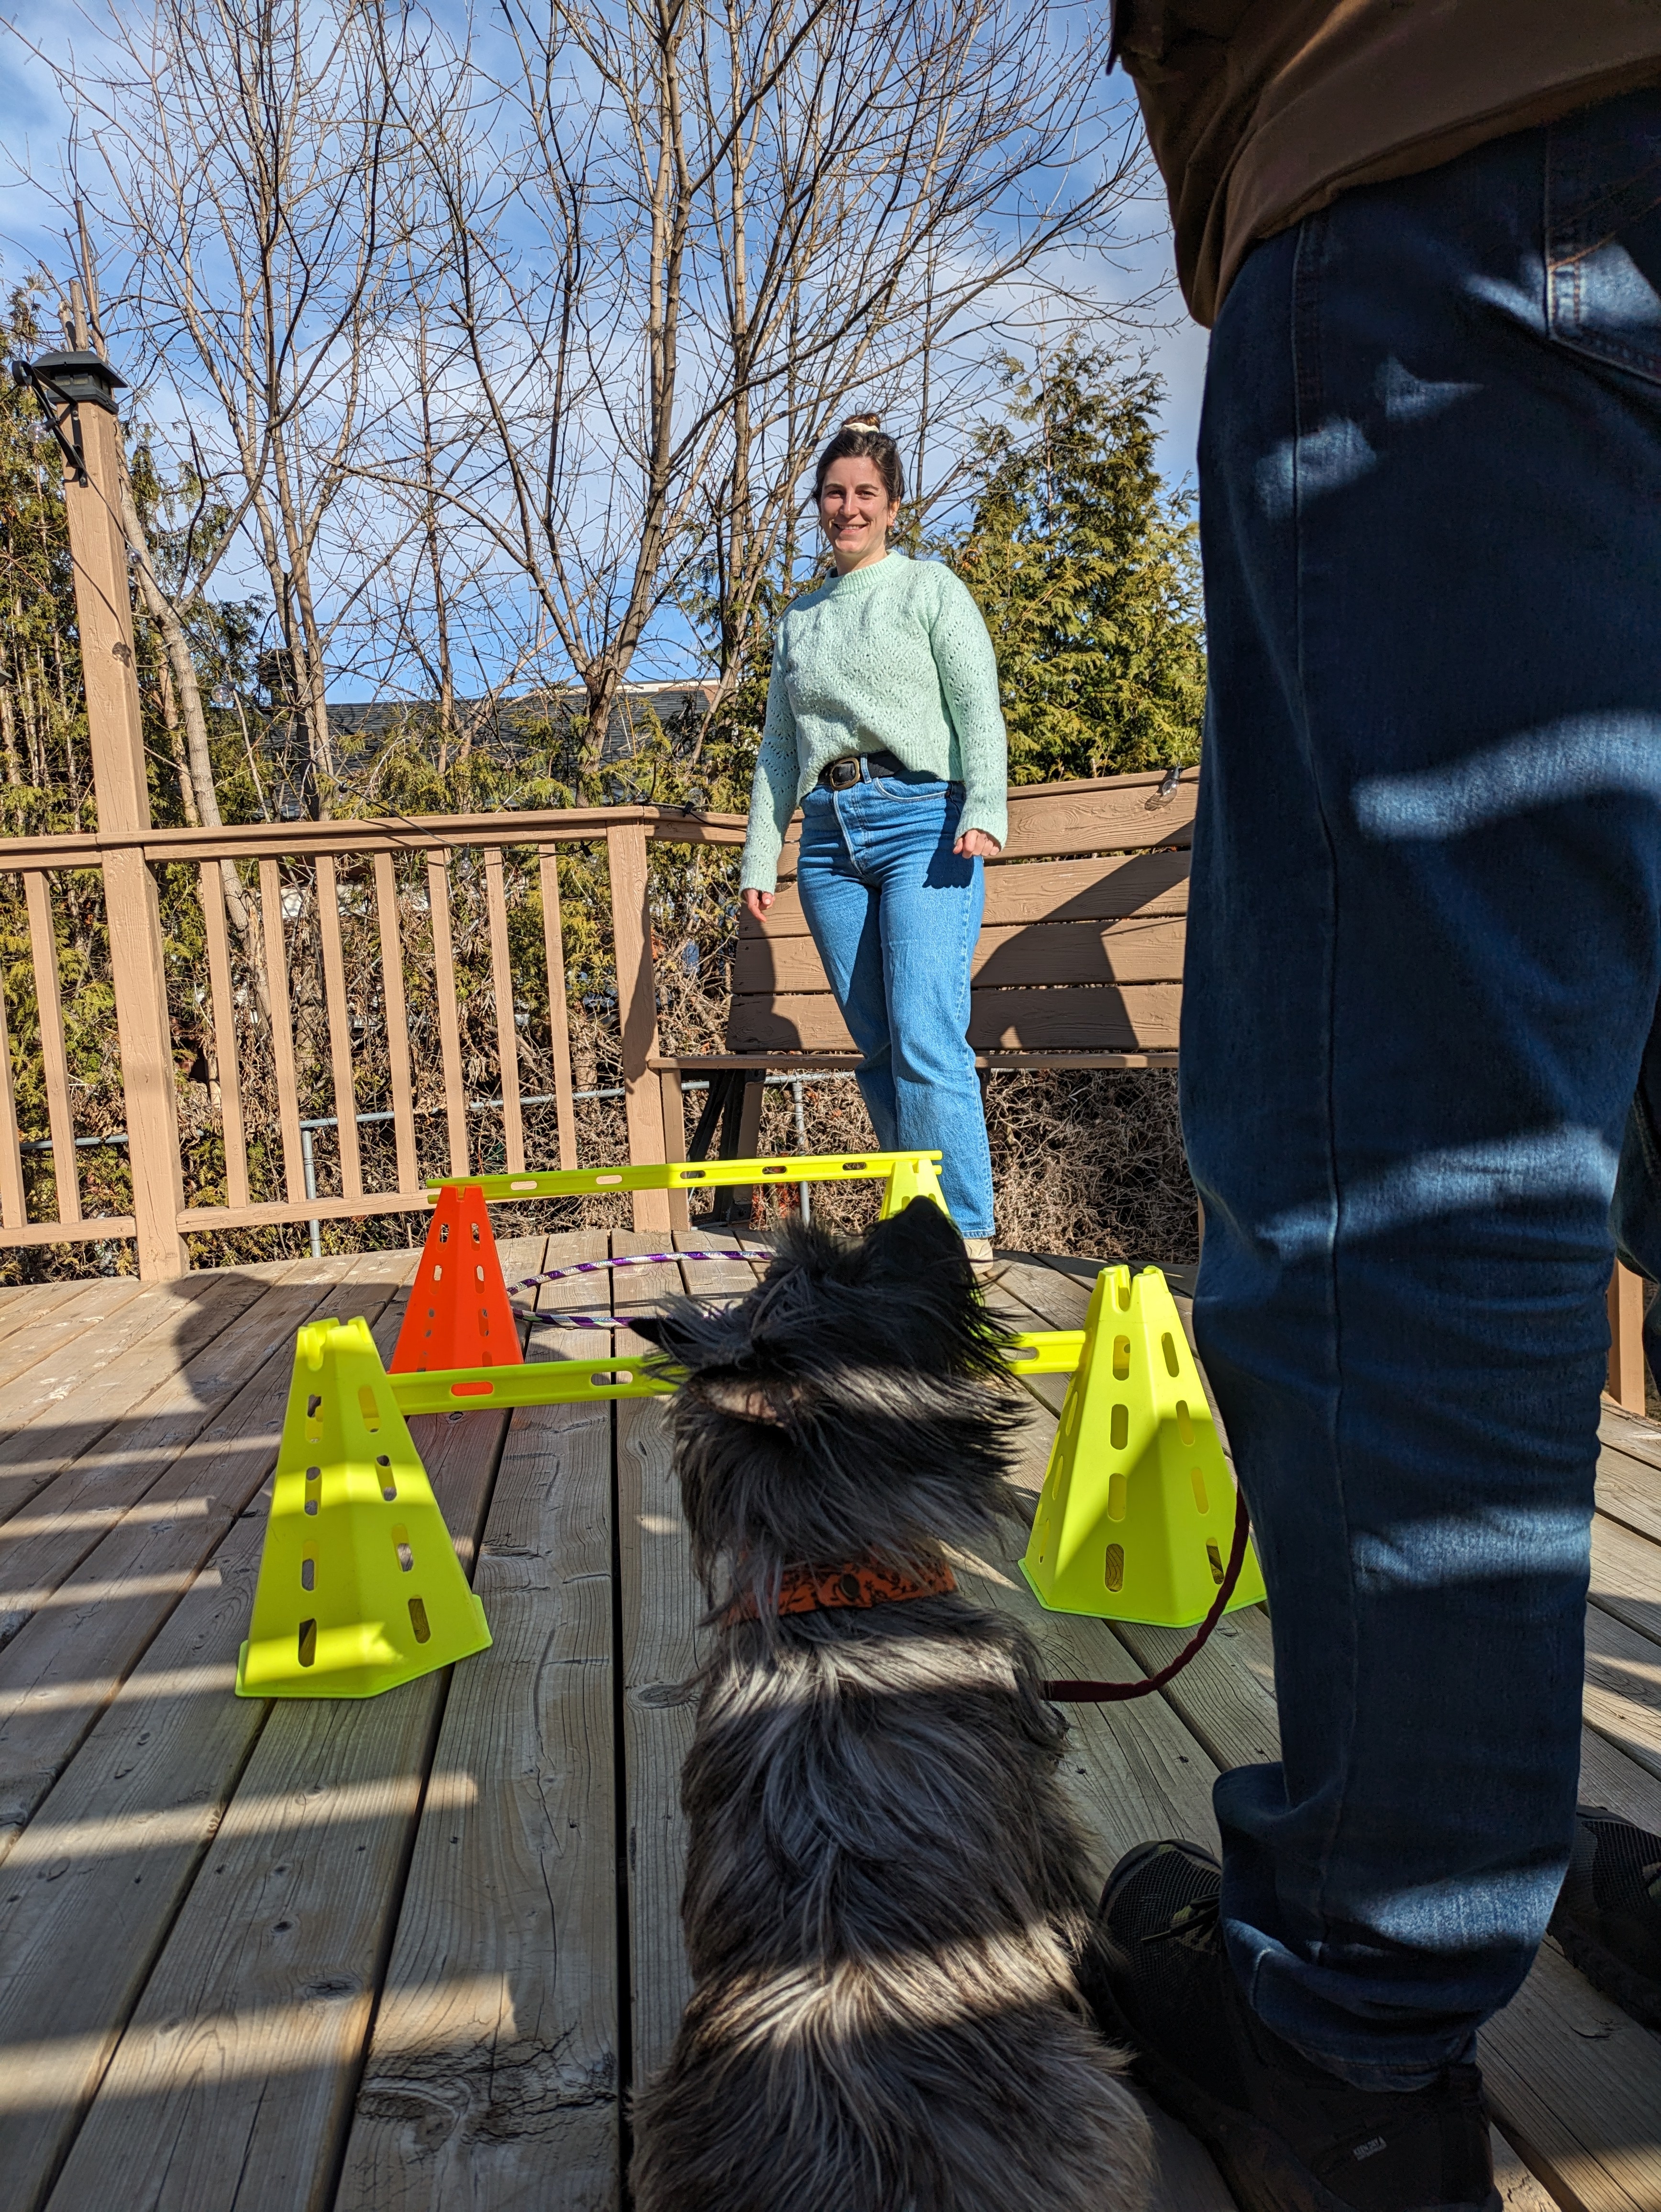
(863,423)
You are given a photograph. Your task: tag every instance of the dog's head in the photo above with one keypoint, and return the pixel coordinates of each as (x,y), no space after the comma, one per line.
(856,1403)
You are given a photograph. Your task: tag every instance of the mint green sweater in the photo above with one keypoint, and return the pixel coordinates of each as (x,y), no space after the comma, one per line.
(894,658)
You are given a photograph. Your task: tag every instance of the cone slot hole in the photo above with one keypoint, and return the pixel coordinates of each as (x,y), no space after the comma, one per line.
(1120,1359)
(479,1273)
(601,1180)
(1197,1477)
(1114,1567)
(618,1374)
(308,1572)
(1118,1488)
(401,1546)
(438,1277)
(307,1651)
(1185,1424)
(853,1167)
(418,1621)
(313,1488)
(369,1406)
(388,1479)
(1118,1429)
(1173,1365)
(1216,1560)
(475,1232)
(443,1232)
(524,1182)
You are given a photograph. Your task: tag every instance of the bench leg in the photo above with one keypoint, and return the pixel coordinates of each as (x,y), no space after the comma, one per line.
(674,1140)
(1626,1375)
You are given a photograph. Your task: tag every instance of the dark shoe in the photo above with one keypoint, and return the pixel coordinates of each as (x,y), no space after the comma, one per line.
(1609,1916)
(1289,2136)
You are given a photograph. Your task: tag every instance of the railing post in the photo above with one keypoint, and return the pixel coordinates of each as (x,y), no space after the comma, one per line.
(631,941)
(1626,1375)
(83,386)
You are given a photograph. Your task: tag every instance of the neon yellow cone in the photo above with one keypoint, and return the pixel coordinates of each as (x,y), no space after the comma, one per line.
(1137,1512)
(916,1175)
(360,1588)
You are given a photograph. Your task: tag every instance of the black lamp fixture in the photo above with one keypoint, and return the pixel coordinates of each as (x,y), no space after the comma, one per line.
(63,383)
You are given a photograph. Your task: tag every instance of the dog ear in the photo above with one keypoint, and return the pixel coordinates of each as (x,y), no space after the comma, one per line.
(919,1240)
(669,1333)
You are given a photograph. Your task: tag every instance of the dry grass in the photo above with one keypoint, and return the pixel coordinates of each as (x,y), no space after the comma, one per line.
(1085,1165)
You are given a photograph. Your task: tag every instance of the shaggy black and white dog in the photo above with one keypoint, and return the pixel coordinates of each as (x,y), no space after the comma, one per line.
(885,1891)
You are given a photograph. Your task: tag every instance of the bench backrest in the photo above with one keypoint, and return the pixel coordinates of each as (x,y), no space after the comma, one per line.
(1081,948)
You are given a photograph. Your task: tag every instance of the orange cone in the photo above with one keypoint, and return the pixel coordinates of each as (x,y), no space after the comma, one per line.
(458,1314)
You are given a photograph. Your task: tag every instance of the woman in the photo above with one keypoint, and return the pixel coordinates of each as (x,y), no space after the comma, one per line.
(883,722)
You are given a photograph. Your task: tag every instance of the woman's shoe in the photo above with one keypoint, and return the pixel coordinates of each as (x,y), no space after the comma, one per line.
(979,1249)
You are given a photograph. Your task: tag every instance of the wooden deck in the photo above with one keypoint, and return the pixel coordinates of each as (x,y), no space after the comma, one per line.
(411,1953)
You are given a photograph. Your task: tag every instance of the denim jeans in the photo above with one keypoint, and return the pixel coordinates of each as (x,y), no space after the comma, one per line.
(1423,964)
(895,915)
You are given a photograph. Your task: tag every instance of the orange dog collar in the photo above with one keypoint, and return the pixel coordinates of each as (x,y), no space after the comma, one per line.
(808,1589)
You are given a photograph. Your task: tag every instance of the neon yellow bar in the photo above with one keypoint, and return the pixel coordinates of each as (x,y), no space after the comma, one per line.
(682,1175)
(546,1382)
(610,1375)
(1047,1351)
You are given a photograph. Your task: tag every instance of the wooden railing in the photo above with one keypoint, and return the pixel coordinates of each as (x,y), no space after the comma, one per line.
(366,912)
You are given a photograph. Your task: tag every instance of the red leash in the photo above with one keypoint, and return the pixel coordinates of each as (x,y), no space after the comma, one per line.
(1113,1693)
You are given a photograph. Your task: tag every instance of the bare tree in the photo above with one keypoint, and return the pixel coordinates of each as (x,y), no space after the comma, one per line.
(238,157)
(682,237)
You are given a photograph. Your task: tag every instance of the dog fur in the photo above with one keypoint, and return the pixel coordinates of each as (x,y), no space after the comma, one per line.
(885,1891)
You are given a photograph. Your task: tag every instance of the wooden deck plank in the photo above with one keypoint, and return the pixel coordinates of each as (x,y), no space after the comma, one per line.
(61,1405)
(1632,1433)
(232,2085)
(1629,1491)
(117,1599)
(1623,1688)
(88,1894)
(68,1516)
(42,1316)
(662,1604)
(1626,1576)
(492,2080)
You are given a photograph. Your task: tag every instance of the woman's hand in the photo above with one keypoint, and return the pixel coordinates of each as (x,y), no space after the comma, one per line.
(757,903)
(973,845)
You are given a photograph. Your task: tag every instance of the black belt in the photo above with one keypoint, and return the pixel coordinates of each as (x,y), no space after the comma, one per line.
(858,767)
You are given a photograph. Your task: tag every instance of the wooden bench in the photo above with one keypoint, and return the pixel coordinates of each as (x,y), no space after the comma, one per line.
(1080,961)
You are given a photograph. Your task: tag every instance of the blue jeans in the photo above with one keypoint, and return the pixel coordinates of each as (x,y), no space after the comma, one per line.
(895,915)
(1423,966)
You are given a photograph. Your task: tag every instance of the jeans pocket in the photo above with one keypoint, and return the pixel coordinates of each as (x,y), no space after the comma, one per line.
(891,787)
(1603,233)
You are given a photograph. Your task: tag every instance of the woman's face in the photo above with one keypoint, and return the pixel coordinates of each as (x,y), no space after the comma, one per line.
(855,511)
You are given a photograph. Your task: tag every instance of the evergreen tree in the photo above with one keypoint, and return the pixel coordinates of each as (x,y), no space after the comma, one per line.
(1087,573)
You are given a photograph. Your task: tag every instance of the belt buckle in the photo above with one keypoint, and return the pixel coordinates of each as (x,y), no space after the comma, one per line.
(843,775)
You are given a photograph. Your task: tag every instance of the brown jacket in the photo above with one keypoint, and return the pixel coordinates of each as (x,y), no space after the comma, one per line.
(1261,111)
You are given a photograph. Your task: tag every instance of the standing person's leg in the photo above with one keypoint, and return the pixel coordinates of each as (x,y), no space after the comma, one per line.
(843,904)
(1423,960)
(900,830)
